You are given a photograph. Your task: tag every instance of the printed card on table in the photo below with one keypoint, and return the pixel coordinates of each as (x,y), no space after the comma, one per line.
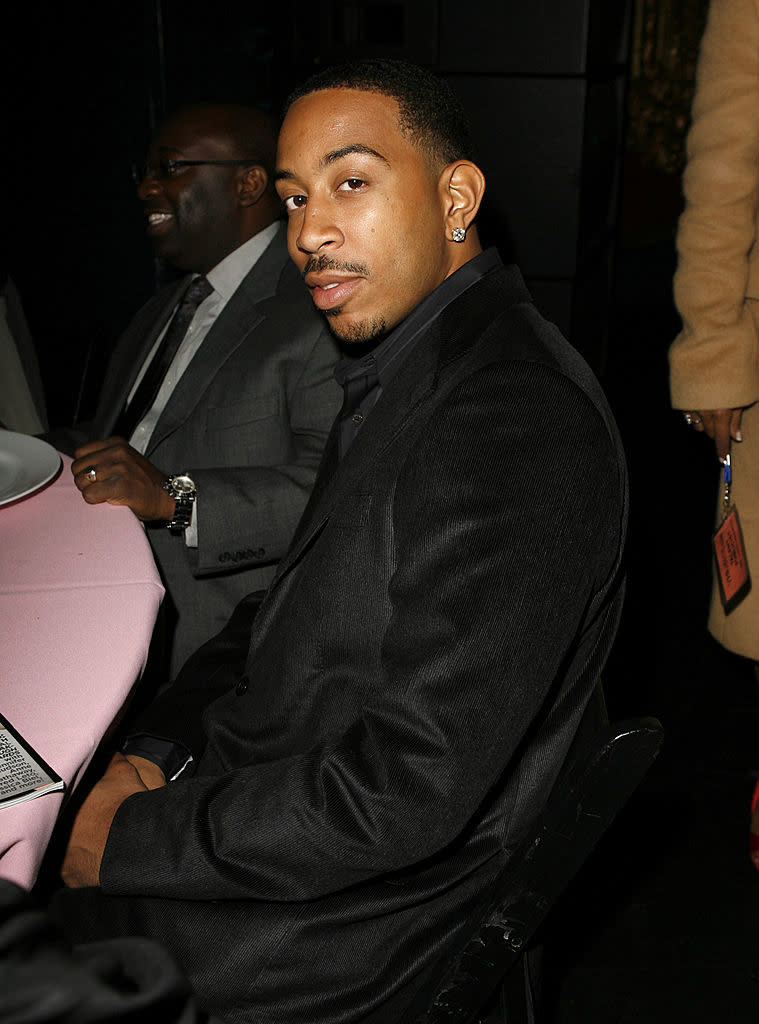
(23,773)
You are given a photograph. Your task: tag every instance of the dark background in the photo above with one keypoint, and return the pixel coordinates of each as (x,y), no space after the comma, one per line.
(543,83)
(579,109)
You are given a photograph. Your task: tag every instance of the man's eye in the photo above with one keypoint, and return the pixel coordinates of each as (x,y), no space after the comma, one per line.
(169,168)
(294,202)
(351,185)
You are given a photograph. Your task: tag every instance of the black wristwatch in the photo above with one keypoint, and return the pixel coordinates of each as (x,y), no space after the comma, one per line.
(182,489)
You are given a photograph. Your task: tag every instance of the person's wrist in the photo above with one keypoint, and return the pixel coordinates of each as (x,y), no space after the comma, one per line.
(167,506)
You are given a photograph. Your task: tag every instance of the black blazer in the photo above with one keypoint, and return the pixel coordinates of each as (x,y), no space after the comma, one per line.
(413,681)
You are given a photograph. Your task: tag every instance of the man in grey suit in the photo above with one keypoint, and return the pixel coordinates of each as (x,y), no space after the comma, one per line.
(336,783)
(221,444)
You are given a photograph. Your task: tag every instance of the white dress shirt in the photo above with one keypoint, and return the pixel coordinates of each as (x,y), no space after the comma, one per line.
(225,278)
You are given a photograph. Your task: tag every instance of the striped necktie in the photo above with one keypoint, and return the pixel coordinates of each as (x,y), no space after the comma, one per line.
(145,395)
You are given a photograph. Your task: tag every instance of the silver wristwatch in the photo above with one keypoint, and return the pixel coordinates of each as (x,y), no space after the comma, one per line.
(182,489)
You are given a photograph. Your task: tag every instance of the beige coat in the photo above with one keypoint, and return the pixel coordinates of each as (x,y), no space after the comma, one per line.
(714,361)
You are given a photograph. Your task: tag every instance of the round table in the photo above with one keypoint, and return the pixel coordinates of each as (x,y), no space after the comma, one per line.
(79,595)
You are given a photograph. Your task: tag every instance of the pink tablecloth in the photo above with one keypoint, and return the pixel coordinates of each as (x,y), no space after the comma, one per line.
(79,594)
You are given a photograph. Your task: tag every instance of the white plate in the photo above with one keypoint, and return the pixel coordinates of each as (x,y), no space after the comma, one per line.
(26,464)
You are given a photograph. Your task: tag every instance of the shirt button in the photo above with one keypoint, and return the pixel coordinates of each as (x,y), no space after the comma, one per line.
(357,417)
(242,686)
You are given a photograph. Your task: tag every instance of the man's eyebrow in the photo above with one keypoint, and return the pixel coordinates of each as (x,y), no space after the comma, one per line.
(333,156)
(353,147)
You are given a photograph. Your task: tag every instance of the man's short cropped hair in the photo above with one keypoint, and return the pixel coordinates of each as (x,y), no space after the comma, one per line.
(430,112)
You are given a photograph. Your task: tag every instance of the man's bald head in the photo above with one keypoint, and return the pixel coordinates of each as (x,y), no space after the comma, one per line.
(207,186)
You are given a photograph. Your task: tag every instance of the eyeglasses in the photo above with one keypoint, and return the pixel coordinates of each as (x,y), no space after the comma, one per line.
(162,170)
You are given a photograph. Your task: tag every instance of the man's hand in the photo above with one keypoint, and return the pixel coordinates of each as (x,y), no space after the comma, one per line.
(89,833)
(150,774)
(721,425)
(112,471)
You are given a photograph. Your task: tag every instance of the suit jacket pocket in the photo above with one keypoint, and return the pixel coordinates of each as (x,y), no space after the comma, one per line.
(351,513)
(257,407)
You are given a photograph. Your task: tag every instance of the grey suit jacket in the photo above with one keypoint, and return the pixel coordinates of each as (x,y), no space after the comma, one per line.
(389,727)
(248,421)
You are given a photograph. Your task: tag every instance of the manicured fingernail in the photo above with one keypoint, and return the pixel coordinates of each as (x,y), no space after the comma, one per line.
(738,435)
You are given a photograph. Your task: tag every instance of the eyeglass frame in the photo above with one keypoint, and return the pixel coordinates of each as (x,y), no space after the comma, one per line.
(142,171)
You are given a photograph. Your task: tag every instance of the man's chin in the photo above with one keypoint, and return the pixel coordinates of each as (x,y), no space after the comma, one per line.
(361,332)
(164,250)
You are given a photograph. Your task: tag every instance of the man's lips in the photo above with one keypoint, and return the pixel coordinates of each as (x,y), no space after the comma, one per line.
(159,221)
(329,291)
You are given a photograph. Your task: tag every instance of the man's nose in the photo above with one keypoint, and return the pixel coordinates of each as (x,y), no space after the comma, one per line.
(318,229)
(148,185)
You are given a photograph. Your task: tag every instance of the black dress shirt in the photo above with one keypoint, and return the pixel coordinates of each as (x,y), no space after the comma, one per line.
(364,378)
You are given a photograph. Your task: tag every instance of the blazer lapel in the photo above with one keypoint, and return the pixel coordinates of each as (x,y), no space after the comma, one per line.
(242,314)
(398,404)
(409,387)
(132,353)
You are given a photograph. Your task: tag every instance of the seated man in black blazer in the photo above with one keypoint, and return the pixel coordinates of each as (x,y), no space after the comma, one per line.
(310,811)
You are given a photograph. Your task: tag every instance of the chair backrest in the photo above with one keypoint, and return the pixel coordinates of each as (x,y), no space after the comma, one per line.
(22,399)
(584,802)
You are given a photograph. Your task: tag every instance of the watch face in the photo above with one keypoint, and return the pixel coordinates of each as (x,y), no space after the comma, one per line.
(183,484)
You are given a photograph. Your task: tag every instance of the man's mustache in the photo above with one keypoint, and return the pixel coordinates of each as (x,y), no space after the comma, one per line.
(317,264)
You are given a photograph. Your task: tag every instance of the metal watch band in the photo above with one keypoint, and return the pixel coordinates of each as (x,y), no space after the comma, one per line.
(182,489)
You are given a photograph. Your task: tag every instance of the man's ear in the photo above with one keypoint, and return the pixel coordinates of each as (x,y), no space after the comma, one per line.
(251,185)
(462,186)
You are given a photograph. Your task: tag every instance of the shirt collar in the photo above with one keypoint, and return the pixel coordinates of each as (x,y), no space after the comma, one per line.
(226,277)
(385,359)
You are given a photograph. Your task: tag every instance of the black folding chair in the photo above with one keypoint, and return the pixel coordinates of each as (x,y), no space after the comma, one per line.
(586,799)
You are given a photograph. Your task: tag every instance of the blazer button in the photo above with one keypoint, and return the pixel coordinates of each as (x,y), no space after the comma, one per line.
(242,686)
